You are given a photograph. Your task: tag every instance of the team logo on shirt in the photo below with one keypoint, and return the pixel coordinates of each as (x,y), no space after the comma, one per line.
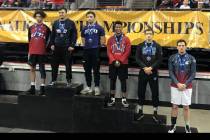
(116,49)
(91,31)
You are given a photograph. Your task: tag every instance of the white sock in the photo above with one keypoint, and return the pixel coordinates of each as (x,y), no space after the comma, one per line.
(33,83)
(42,85)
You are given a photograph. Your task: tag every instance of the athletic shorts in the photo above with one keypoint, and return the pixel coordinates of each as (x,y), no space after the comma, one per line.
(120,72)
(36,59)
(181,97)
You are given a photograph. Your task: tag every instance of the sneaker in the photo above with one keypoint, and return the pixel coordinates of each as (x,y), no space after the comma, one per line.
(87,90)
(32,90)
(42,91)
(139,113)
(52,83)
(155,117)
(173,129)
(68,84)
(125,103)
(111,102)
(97,91)
(187,129)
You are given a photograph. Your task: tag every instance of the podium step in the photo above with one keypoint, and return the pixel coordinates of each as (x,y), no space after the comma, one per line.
(8,110)
(62,90)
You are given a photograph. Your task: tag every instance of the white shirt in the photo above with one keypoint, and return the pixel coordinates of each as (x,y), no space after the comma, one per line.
(185,7)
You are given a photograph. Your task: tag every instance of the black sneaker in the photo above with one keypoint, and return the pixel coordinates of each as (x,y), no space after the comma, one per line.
(42,91)
(111,102)
(172,129)
(125,103)
(155,117)
(32,90)
(139,115)
(187,129)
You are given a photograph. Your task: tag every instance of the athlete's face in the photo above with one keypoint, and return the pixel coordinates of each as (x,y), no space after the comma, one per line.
(149,35)
(118,29)
(90,18)
(39,18)
(62,14)
(181,47)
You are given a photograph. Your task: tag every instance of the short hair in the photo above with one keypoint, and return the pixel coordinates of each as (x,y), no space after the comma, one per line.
(117,22)
(148,30)
(40,12)
(63,8)
(90,13)
(180,41)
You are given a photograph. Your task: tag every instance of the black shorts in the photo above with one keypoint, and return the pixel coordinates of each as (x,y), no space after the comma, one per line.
(36,59)
(121,72)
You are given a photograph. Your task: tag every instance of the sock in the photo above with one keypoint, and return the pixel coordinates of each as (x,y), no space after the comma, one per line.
(32,83)
(187,123)
(173,120)
(43,85)
(155,108)
(123,99)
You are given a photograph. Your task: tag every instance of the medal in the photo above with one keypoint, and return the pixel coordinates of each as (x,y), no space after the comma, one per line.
(149,51)
(149,58)
(90,40)
(119,42)
(61,35)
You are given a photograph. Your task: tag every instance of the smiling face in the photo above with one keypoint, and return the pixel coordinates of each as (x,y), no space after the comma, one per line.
(118,29)
(181,47)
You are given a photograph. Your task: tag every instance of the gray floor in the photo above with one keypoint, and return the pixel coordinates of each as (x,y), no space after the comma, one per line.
(199,120)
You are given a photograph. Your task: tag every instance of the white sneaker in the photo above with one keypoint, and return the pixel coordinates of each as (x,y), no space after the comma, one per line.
(187,129)
(97,91)
(86,90)
(173,129)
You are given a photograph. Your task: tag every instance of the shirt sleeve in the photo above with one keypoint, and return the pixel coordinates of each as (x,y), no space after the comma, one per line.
(158,61)
(171,70)
(53,33)
(73,35)
(29,34)
(127,51)
(101,31)
(138,58)
(193,71)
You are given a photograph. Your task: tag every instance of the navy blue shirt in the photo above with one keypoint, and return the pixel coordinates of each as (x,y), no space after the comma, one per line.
(92,35)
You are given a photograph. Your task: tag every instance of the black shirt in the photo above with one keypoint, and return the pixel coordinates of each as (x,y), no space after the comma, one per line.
(149,55)
(64,33)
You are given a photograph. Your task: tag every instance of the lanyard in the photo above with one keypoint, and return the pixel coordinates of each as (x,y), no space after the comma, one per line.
(62,26)
(149,49)
(119,42)
(182,60)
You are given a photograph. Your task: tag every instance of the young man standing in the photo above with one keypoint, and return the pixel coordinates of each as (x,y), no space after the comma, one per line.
(118,50)
(182,70)
(38,36)
(63,40)
(93,37)
(148,57)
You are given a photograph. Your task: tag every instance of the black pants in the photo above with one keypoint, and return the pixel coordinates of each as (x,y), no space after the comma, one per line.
(153,82)
(61,55)
(123,85)
(92,62)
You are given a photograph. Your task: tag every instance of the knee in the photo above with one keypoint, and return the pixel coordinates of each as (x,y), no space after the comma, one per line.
(175,107)
(186,108)
(33,69)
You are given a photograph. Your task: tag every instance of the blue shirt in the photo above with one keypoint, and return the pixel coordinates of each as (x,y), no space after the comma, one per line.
(92,35)
(182,69)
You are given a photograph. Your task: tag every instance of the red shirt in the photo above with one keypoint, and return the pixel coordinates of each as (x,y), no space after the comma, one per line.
(121,52)
(38,36)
